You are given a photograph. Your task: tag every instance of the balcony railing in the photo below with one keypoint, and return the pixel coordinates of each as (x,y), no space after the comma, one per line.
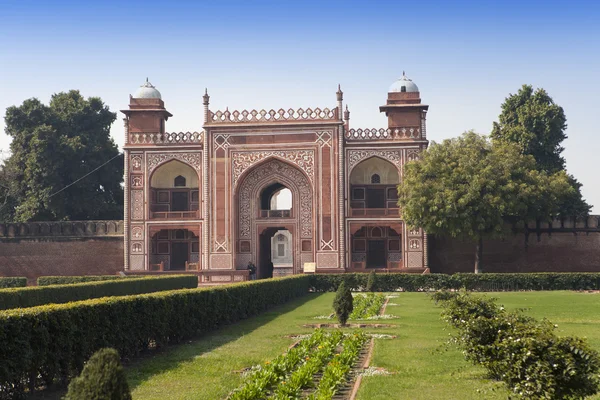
(175,214)
(407,132)
(275,213)
(374,212)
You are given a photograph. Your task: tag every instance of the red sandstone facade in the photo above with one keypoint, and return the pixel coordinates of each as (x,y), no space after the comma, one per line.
(204,200)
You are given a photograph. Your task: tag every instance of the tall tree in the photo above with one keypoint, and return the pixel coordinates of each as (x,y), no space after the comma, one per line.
(54,146)
(468,188)
(537,125)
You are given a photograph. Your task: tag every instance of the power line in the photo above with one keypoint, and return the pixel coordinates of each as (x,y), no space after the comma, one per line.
(86,175)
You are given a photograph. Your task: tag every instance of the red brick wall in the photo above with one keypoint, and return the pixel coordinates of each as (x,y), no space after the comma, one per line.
(61,256)
(558,252)
(61,248)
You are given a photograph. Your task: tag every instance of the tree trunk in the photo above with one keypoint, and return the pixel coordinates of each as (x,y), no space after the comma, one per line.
(479,256)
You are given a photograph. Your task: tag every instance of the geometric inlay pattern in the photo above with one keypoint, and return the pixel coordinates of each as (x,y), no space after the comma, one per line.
(356,156)
(193,159)
(242,160)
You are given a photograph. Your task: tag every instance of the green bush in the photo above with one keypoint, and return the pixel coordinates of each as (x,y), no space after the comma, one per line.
(343,303)
(12,282)
(521,351)
(65,280)
(102,378)
(45,344)
(38,295)
(387,282)
(372,282)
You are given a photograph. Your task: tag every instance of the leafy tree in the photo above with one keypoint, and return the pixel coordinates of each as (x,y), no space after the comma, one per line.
(102,378)
(468,188)
(537,125)
(54,146)
(343,303)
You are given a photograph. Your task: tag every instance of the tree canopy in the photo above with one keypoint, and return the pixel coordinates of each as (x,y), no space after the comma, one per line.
(537,125)
(468,188)
(52,147)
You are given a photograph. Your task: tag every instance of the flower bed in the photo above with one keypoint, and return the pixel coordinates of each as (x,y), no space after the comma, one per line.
(367,305)
(290,375)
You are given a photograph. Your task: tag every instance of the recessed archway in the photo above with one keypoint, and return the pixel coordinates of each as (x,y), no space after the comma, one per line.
(373,185)
(174,249)
(174,191)
(254,198)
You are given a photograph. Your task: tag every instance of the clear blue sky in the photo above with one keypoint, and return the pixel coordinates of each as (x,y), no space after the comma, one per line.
(466,57)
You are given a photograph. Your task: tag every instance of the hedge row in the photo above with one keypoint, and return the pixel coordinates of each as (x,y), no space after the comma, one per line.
(12,281)
(521,351)
(475,282)
(39,295)
(46,344)
(65,280)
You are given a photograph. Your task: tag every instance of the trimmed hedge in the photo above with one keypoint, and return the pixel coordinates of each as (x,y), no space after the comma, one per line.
(46,344)
(12,281)
(485,282)
(523,352)
(39,295)
(66,280)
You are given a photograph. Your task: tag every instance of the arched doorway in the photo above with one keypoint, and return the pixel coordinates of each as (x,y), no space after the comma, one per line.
(174,191)
(374,188)
(273,196)
(276,201)
(376,245)
(174,249)
(276,254)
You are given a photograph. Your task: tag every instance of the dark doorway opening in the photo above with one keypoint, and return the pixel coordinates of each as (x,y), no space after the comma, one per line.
(179,255)
(265,264)
(376,255)
(179,201)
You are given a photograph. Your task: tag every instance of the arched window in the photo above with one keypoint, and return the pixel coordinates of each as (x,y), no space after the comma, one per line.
(375,178)
(179,181)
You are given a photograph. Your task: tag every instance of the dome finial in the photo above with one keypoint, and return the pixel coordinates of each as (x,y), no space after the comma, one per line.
(147,91)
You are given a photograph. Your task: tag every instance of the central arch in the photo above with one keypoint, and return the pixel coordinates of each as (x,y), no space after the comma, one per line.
(251,222)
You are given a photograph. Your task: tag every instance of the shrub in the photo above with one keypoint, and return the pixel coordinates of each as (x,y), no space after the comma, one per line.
(38,295)
(102,378)
(371,282)
(12,281)
(521,351)
(45,344)
(342,303)
(65,280)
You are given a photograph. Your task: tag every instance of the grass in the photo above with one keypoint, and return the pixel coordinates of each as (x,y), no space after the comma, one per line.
(423,366)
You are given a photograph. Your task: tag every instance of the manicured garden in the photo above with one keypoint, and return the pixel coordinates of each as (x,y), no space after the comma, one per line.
(235,340)
(420,364)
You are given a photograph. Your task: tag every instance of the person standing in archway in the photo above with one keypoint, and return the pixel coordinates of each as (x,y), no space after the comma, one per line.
(252,268)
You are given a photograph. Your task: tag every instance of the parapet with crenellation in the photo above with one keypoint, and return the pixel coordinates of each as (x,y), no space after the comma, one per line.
(61,229)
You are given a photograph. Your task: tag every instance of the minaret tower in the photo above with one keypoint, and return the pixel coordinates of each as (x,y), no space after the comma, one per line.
(404,108)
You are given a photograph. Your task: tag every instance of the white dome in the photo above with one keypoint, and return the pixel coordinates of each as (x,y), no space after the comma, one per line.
(408,84)
(146,91)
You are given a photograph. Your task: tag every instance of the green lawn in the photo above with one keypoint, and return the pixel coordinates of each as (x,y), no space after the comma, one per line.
(423,366)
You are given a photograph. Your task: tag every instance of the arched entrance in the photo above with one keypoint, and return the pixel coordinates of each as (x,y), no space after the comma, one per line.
(272,197)
(174,249)
(374,188)
(174,191)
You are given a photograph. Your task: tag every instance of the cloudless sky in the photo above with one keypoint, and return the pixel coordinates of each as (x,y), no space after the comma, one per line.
(465,56)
